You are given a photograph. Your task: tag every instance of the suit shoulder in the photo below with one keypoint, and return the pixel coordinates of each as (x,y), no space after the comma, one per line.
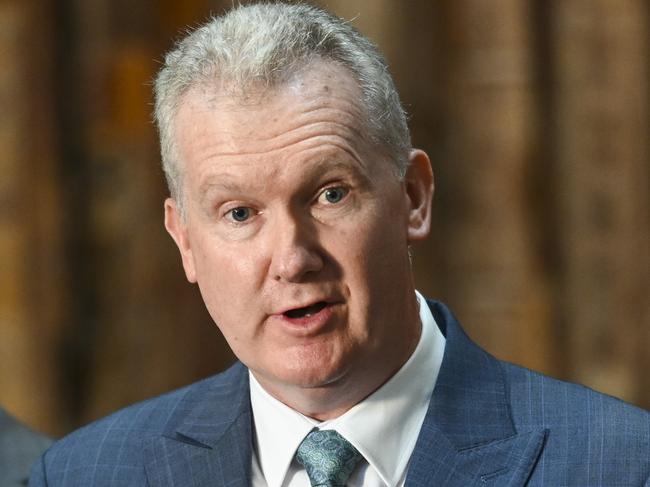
(591,438)
(115,441)
(539,400)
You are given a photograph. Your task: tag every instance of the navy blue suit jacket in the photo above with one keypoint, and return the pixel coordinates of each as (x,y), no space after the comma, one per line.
(488,423)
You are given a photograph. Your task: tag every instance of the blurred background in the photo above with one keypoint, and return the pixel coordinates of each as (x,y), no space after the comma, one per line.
(535,115)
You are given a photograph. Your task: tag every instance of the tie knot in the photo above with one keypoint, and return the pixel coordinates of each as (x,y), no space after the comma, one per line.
(328,458)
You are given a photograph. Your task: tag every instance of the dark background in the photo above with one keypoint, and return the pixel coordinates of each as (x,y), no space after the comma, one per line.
(535,115)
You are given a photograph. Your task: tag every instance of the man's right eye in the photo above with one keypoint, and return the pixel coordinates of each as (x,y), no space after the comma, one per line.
(239,214)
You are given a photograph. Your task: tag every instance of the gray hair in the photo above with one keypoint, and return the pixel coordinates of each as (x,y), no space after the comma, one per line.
(261,45)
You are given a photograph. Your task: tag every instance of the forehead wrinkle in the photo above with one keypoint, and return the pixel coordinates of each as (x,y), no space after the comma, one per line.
(316,165)
(350,152)
(327,151)
(328,138)
(323,116)
(294,134)
(282,116)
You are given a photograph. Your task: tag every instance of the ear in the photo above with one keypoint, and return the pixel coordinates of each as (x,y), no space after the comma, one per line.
(177,228)
(418,185)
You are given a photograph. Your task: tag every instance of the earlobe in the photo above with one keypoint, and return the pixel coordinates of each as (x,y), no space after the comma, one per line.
(419,192)
(177,229)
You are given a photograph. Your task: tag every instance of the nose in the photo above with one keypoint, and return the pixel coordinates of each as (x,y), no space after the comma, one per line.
(296,250)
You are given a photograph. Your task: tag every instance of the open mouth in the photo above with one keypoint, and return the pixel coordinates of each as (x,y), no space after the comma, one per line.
(306,311)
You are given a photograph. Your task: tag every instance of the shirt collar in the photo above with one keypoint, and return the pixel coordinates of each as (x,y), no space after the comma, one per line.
(399,406)
(278,432)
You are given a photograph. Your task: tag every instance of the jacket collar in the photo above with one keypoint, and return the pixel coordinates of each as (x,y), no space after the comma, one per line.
(468,436)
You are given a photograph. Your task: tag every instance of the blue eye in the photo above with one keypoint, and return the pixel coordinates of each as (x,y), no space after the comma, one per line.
(240,214)
(334,195)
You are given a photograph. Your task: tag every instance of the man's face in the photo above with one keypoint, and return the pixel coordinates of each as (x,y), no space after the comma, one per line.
(296,231)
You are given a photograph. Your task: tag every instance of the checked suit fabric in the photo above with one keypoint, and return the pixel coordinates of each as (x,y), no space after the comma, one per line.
(489,423)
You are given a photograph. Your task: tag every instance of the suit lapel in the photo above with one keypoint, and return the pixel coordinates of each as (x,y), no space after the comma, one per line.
(468,436)
(208,439)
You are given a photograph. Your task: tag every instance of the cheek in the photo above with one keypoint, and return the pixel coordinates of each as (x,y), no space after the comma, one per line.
(224,264)
(381,259)
(227,278)
(366,255)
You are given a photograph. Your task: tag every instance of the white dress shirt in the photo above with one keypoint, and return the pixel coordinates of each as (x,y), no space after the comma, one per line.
(383,427)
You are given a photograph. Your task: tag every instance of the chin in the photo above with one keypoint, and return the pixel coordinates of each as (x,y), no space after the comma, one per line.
(308,374)
(317,365)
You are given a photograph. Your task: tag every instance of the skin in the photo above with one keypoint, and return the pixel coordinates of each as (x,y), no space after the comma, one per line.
(287,204)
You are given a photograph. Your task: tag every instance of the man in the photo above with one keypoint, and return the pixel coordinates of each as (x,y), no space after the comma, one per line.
(19,447)
(295,195)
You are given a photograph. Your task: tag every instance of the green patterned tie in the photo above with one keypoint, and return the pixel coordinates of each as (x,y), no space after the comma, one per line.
(328,458)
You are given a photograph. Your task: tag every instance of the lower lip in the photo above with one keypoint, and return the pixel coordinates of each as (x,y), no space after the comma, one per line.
(307,324)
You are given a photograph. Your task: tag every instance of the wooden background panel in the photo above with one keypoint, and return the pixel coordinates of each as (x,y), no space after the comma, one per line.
(33,288)
(491,267)
(142,329)
(601,132)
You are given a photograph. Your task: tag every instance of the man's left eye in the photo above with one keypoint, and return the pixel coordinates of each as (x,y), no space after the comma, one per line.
(333,195)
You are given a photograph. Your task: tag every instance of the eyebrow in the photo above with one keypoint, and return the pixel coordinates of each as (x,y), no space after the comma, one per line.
(219,181)
(325,164)
(322,165)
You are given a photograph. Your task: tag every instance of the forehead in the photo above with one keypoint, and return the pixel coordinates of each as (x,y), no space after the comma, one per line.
(317,110)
